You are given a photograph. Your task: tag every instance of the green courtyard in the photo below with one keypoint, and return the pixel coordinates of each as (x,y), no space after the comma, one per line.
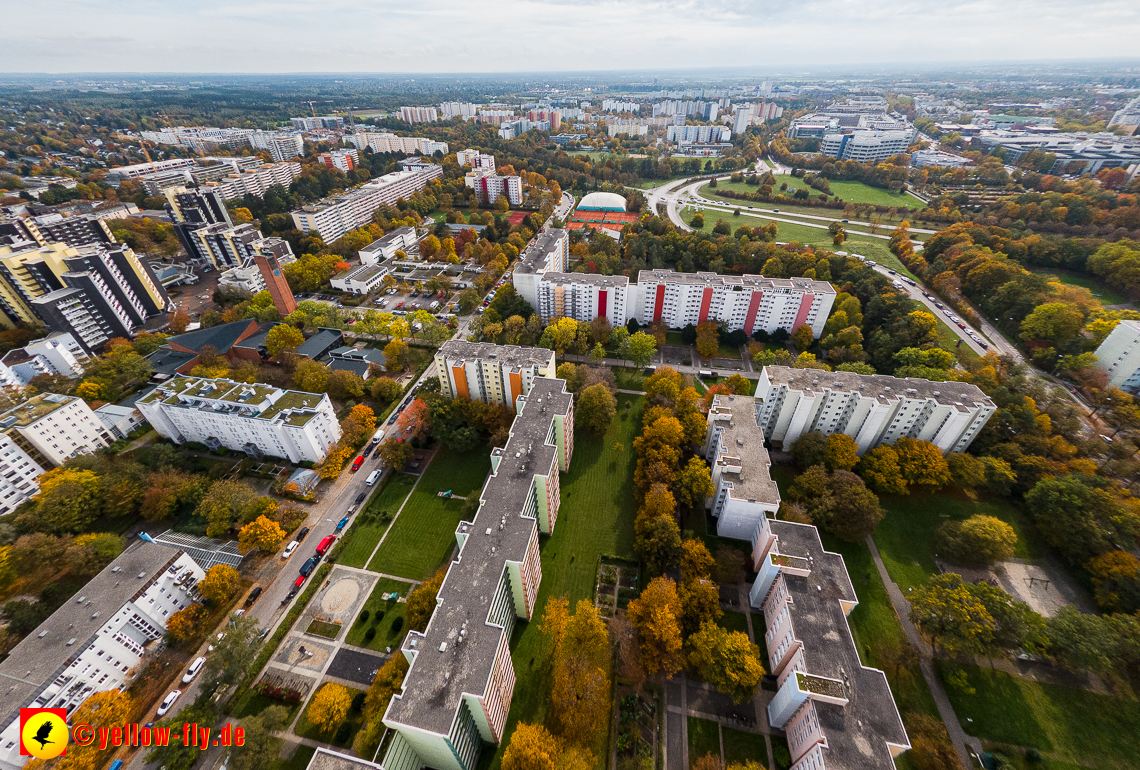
(369,528)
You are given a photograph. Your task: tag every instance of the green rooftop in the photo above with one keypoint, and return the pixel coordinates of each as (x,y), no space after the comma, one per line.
(230,392)
(34,409)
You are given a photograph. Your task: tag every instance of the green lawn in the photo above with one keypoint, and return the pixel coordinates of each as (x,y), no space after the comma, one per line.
(949,340)
(299,760)
(907,538)
(424,535)
(381,615)
(704,738)
(629,379)
(674,338)
(595,518)
(307,729)
(799,210)
(850,192)
(735,621)
(1105,294)
(368,529)
(740,746)
(1067,724)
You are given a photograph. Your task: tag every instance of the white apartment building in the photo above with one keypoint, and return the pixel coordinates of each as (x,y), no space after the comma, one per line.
(380,142)
(200,138)
(254,181)
(549,252)
(419,114)
(475,159)
(341,160)
(702,134)
(123,173)
(55,427)
(743,491)
(1119,357)
(360,280)
(866,146)
(119,420)
(400,239)
(333,217)
(873,409)
(58,353)
(464,110)
(748,302)
(256,419)
(488,186)
(584,297)
(495,374)
(629,128)
(99,639)
(282,145)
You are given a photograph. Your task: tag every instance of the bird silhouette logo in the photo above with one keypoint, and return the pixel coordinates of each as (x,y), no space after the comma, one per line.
(43,732)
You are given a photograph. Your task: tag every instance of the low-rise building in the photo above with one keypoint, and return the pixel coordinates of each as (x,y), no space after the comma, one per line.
(253,418)
(119,420)
(1119,357)
(496,374)
(360,280)
(381,249)
(97,641)
(743,490)
(873,409)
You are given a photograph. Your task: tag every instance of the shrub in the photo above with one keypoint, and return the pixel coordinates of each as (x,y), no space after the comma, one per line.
(378,617)
(370,634)
(397,624)
(364,617)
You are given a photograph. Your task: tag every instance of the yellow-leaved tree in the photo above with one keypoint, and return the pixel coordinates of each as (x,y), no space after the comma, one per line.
(220,583)
(262,533)
(329,707)
(656,615)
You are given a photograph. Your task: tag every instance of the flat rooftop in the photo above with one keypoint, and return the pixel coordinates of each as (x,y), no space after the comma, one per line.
(36,408)
(511,355)
(446,668)
(742,437)
(591,278)
(885,388)
(252,401)
(751,281)
(534,257)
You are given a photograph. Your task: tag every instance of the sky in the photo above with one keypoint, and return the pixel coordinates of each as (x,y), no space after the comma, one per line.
(475,36)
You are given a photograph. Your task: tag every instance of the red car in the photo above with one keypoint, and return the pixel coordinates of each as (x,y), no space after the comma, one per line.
(357,463)
(299,581)
(399,304)
(326,544)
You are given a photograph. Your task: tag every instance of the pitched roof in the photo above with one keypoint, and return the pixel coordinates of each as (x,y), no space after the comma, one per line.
(319,343)
(221,337)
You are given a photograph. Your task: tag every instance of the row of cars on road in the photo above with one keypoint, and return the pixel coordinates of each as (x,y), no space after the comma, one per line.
(957,321)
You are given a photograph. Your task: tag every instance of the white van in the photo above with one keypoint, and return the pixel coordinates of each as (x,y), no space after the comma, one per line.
(372,478)
(195,667)
(433,305)
(289,549)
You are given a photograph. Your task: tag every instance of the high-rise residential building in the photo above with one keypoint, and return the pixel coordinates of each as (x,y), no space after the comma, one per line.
(251,181)
(476,160)
(464,110)
(1119,357)
(117,176)
(333,217)
(488,186)
(282,145)
(584,297)
(549,252)
(702,134)
(496,374)
(93,292)
(43,433)
(743,491)
(873,409)
(204,227)
(58,353)
(386,142)
(458,689)
(191,210)
(260,420)
(201,138)
(97,641)
(199,172)
(78,230)
(419,114)
(327,122)
(342,160)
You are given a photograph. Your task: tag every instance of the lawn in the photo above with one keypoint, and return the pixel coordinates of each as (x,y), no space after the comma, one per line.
(300,759)
(382,614)
(907,538)
(424,535)
(595,518)
(674,338)
(735,621)
(799,210)
(368,528)
(307,729)
(704,738)
(949,340)
(740,746)
(849,192)
(1106,295)
(629,379)
(1066,724)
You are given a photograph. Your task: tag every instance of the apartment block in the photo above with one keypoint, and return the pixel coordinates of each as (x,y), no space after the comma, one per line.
(488,186)
(381,142)
(117,176)
(873,409)
(419,114)
(1119,357)
(549,252)
(341,160)
(58,353)
(496,374)
(77,230)
(464,110)
(748,302)
(98,640)
(225,246)
(327,122)
(257,419)
(475,159)
(744,494)
(458,690)
(837,713)
(584,297)
(252,181)
(400,239)
(204,171)
(702,134)
(282,145)
(202,138)
(333,217)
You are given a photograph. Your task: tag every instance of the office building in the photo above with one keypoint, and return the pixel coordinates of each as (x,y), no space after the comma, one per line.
(549,252)
(257,419)
(58,353)
(282,145)
(325,122)
(495,374)
(749,302)
(1076,153)
(1119,357)
(333,217)
(98,640)
(837,713)
(744,494)
(866,146)
(362,279)
(458,689)
(584,297)
(386,142)
(341,160)
(873,409)
(419,114)
(489,186)
(1128,115)
(938,158)
(400,239)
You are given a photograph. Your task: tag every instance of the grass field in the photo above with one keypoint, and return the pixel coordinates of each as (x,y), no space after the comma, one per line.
(369,530)
(704,738)
(424,535)
(390,609)
(799,210)
(907,537)
(595,518)
(740,746)
(629,379)
(849,192)
(1105,294)
(1064,724)
(735,621)
(300,758)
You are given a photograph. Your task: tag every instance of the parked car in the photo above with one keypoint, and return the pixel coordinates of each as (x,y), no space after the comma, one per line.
(310,565)
(289,549)
(253,596)
(221,636)
(195,667)
(168,701)
(342,524)
(301,533)
(300,581)
(326,544)
(360,497)
(357,463)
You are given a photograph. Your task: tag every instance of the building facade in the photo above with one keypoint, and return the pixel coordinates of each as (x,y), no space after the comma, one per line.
(488,186)
(1119,357)
(361,279)
(256,419)
(333,217)
(866,146)
(549,252)
(282,145)
(496,374)
(97,641)
(458,689)
(419,114)
(341,160)
(58,353)
(584,297)
(743,491)
(873,409)
(400,239)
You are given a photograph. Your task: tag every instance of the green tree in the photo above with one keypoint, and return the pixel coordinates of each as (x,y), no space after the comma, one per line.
(1054,322)
(727,660)
(880,469)
(387,682)
(694,484)
(261,746)
(809,449)
(951,616)
(282,337)
(222,504)
(642,348)
(595,408)
(978,541)
(233,655)
(660,544)
(966,471)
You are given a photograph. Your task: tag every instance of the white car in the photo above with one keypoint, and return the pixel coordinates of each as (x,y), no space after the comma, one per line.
(164,707)
(289,549)
(195,667)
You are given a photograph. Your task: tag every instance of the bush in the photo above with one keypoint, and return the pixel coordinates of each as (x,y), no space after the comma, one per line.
(364,617)
(343,732)
(379,616)
(1033,757)
(397,624)
(370,634)
(358,702)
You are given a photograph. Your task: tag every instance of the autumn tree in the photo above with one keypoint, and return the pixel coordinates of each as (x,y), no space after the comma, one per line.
(922,463)
(966,471)
(385,389)
(727,660)
(282,337)
(388,681)
(842,452)
(421,601)
(103,711)
(694,484)
(262,533)
(311,377)
(951,616)
(581,684)
(222,505)
(414,421)
(343,385)
(641,348)
(178,319)
(708,339)
(880,470)
(978,541)
(68,501)
(595,408)
(395,452)
(334,461)
(802,337)
(396,355)
(185,623)
(656,614)
(532,747)
(1116,579)
(659,544)
(809,449)
(329,707)
(220,583)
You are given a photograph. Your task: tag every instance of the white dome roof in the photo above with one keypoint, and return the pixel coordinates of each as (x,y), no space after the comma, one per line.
(603,201)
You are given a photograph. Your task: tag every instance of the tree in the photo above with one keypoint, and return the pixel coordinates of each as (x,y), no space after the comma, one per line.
(262,533)
(422,600)
(663,386)
(656,616)
(842,452)
(660,544)
(178,319)
(103,711)
(394,453)
(696,561)
(388,681)
(233,655)
(311,377)
(738,385)
(708,339)
(386,389)
(966,471)
(220,583)
(343,385)
(848,509)
(580,690)
(90,553)
(1116,578)
(68,501)
(700,603)
(282,337)
(729,565)
(880,469)
(532,747)
(921,463)
(261,745)
(727,660)
(809,449)
(185,623)
(595,408)
(642,348)
(1080,641)
(951,616)
(694,485)
(222,504)
(396,355)
(978,541)
(415,420)
(1054,322)
(802,337)
(329,706)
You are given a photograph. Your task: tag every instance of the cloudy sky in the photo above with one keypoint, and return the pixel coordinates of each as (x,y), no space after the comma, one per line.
(532,35)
